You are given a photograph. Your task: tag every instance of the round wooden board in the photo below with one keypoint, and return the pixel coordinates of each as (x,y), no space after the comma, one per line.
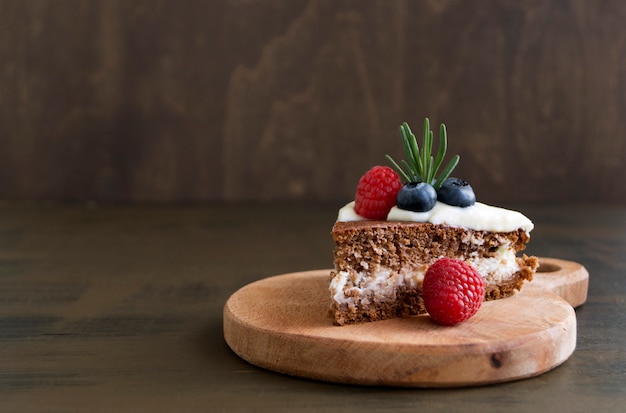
(281,323)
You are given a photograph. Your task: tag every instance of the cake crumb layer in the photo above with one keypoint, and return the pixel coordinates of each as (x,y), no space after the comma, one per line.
(379,265)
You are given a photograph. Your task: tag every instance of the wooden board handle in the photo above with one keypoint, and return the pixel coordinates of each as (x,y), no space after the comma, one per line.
(567,279)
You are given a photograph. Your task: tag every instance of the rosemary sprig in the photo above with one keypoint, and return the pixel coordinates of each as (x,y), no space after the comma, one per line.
(420,165)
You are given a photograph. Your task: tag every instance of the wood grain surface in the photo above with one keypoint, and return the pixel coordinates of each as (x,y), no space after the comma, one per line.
(282,323)
(120,309)
(163,101)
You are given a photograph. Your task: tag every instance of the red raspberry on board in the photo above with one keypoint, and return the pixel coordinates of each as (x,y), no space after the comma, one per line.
(453,291)
(376,192)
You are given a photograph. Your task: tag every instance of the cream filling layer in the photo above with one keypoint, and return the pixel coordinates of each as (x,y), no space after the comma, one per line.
(349,289)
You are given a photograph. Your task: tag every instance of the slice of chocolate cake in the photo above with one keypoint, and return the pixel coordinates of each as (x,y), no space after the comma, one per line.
(380,265)
(401,223)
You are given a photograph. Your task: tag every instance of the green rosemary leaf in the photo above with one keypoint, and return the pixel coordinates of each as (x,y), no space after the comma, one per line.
(419,172)
(431,171)
(443,146)
(410,172)
(414,158)
(426,149)
(430,143)
(405,132)
(420,163)
(398,169)
(447,171)
(426,129)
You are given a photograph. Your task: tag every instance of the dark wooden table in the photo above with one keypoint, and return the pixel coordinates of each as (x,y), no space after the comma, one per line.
(120,309)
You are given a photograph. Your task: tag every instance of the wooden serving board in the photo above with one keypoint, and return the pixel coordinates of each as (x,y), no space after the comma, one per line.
(281,323)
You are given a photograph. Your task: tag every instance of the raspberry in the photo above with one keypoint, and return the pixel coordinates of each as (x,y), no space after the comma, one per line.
(376,192)
(453,291)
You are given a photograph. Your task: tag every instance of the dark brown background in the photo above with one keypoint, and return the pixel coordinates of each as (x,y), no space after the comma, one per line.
(178,101)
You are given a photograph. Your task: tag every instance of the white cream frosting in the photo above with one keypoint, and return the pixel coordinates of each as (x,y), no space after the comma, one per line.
(478,217)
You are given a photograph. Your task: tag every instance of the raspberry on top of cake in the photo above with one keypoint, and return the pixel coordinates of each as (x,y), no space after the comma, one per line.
(401,223)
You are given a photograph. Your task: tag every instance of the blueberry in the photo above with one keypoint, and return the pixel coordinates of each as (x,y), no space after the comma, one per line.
(417,197)
(456,192)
